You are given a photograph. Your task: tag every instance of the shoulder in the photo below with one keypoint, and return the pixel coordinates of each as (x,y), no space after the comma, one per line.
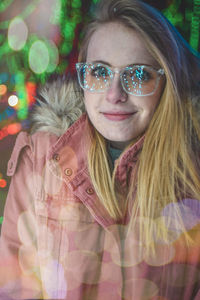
(30,146)
(55,118)
(43,145)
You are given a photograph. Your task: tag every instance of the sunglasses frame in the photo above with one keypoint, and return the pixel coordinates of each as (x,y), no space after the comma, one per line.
(160,72)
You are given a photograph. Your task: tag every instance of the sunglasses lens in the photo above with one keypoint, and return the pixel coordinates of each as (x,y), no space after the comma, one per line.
(94,77)
(139,80)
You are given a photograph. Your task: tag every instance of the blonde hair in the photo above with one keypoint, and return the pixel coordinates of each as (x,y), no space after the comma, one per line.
(168,166)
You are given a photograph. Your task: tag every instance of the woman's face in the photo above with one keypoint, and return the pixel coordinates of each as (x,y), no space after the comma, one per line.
(118,116)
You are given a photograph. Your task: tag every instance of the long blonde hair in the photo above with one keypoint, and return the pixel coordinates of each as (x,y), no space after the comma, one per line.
(169,163)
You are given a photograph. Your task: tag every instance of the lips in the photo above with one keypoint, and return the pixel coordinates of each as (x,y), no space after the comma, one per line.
(117,116)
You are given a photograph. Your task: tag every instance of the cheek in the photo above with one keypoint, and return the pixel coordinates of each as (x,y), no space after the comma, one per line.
(88,101)
(91,102)
(153,102)
(91,107)
(147,105)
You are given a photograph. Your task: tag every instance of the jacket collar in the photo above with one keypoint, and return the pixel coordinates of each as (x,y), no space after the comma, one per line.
(77,138)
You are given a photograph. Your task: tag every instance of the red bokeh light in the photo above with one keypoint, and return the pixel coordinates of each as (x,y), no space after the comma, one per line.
(3,183)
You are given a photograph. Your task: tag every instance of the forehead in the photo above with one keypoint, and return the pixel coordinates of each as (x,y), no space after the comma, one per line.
(118,46)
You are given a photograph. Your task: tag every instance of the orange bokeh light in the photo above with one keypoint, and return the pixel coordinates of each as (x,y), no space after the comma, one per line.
(3,183)
(3,89)
(14,128)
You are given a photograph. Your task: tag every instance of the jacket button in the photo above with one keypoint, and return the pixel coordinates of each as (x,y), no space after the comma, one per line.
(90,191)
(56,157)
(68,172)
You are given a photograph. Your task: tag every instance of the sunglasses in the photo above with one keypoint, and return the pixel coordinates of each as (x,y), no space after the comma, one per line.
(138,80)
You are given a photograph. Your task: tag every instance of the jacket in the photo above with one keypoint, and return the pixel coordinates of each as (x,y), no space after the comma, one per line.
(57,239)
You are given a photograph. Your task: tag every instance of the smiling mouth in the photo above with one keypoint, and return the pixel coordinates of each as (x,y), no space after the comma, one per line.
(117,116)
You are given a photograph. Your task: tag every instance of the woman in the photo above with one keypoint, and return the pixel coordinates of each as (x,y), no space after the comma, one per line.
(105,204)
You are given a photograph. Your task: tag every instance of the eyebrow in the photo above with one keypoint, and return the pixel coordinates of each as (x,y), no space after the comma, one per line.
(108,64)
(102,62)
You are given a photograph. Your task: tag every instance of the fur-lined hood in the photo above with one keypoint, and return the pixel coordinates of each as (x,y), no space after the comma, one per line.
(60,104)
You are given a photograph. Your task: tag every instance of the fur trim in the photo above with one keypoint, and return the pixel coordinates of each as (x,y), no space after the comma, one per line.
(60,104)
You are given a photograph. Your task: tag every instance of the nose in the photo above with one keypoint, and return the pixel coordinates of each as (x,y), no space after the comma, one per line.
(115,92)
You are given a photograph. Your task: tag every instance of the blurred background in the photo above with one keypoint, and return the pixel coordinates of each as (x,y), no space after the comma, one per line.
(41,37)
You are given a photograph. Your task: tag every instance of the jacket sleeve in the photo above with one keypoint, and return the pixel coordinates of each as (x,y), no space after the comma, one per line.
(19,267)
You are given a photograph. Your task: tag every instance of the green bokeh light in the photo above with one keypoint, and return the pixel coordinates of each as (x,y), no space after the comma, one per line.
(195,26)
(76,4)
(19,78)
(4,4)
(22,114)
(53,57)
(69,30)
(38,57)
(56,11)
(65,48)
(17,34)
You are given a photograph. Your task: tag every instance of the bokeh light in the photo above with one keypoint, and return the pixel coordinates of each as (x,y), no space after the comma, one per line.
(14,128)
(22,108)
(7,113)
(3,77)
(3,183)
(31,92)
(17,34)
(53,57)
(10,129)
(38,57)
(3,89)
(76,4)
(54,285)
(13,100)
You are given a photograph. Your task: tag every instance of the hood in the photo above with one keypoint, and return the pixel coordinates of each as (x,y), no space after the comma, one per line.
(59,105)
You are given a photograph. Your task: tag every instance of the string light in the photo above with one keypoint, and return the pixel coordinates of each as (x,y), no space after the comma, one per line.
(68,23)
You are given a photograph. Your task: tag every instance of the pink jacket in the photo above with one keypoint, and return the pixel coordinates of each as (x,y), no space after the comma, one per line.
(58,241)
